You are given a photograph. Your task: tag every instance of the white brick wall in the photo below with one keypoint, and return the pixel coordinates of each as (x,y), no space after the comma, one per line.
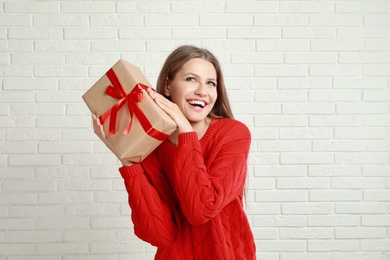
(310,78)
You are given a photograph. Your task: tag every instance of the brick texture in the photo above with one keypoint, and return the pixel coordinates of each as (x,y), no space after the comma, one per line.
(310,78)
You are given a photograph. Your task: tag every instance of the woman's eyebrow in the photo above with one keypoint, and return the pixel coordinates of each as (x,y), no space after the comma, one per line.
(196,75)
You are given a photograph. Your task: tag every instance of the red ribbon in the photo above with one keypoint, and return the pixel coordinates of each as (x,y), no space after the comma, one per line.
(136,95)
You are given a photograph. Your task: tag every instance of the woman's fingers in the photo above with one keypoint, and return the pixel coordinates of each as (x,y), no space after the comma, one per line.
(98,128)
(96,125)
(172,110)
(154,95)
(164,103)
(99,131)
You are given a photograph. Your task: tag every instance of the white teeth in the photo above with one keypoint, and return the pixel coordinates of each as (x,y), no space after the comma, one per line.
(197,103)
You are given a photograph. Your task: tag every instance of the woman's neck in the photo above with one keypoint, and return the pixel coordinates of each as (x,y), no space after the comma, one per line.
(200,128)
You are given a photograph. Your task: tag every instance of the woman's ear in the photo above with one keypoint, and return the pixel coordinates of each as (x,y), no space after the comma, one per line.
(167,90)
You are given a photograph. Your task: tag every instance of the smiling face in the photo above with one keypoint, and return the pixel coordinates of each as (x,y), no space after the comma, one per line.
(194,89)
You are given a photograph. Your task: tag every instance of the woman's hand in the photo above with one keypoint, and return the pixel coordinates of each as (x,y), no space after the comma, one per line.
(99,131)
(172,110)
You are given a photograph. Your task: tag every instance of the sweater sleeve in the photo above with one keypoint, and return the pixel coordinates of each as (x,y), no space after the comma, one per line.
(204,191)
(151,216)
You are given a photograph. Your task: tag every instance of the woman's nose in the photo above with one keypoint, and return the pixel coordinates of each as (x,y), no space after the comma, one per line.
(201,89)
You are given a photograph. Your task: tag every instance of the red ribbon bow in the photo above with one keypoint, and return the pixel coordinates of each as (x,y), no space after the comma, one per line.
(135,96)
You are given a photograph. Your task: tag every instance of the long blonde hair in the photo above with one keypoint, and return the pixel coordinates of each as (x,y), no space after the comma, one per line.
(174,63)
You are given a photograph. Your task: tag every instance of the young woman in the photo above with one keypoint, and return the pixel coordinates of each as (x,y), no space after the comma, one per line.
(186,197)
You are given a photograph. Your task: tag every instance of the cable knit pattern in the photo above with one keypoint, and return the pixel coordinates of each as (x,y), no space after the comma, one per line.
(187,200)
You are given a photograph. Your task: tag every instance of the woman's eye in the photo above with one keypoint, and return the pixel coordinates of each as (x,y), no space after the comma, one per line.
(191,79)
(212,83)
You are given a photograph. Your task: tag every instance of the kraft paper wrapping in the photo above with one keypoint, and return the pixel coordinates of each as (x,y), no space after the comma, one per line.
(139,142)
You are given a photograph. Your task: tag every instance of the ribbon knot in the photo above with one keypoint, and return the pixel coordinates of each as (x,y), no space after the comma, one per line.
(135,96)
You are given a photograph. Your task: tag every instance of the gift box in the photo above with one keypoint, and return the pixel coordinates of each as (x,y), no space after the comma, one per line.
(132,121)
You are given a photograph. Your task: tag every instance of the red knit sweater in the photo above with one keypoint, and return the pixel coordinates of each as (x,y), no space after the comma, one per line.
(187,199)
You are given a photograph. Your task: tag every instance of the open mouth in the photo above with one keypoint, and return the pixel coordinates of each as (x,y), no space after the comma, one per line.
(197,103)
